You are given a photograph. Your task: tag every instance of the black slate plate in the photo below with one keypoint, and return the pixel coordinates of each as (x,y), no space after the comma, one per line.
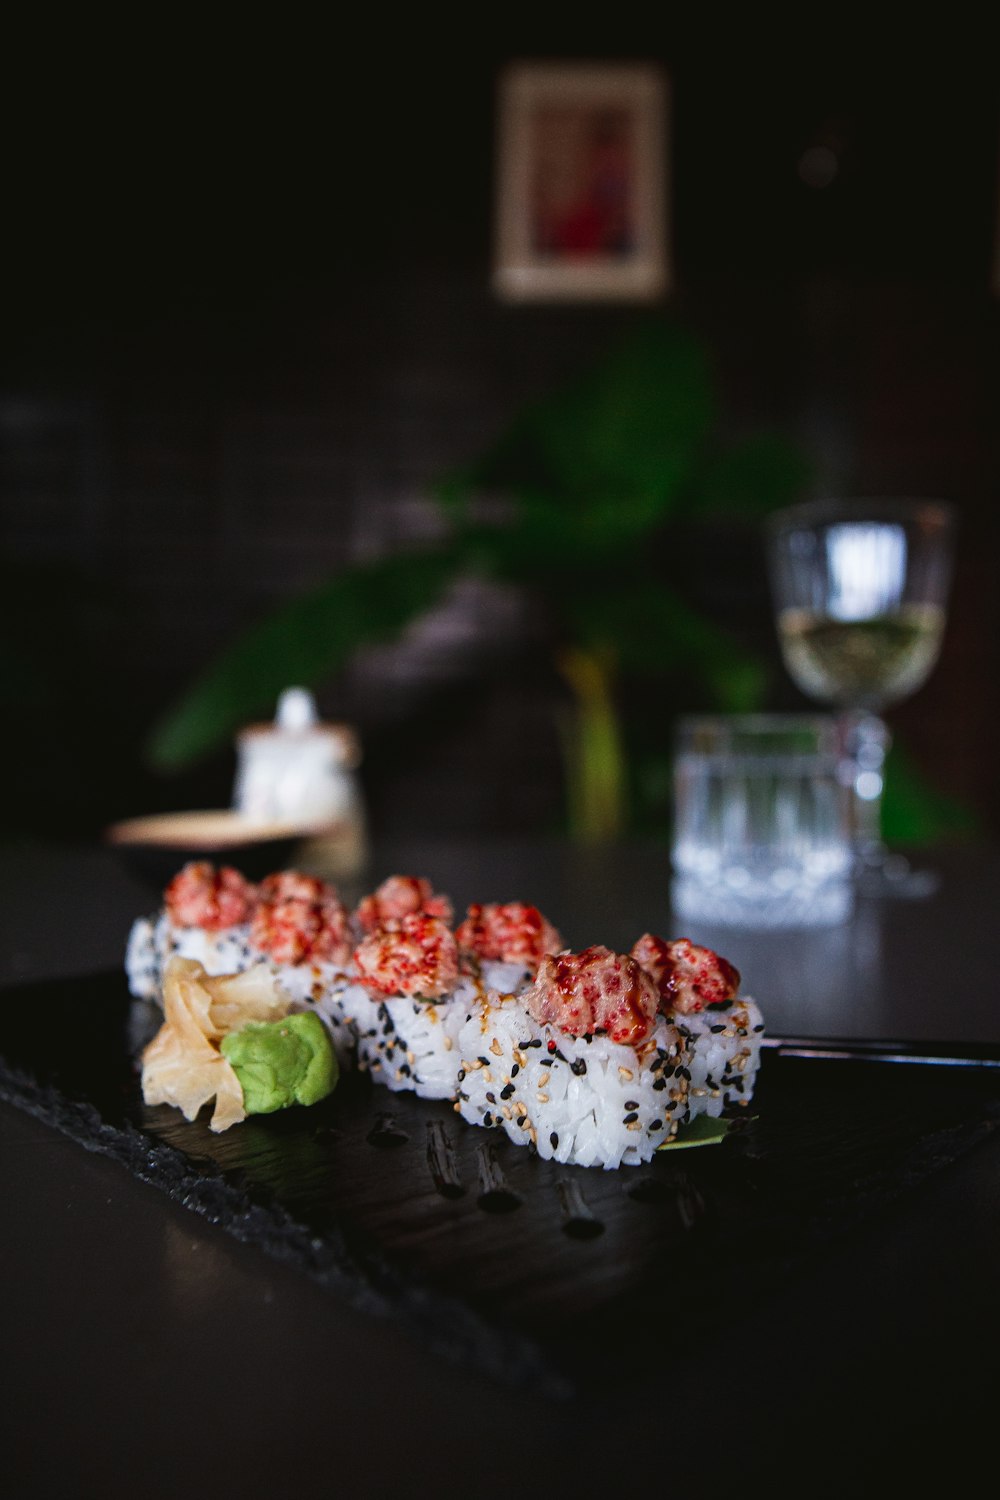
(494,1256)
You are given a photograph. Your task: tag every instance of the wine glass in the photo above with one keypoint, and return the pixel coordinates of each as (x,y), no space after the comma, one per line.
(860,589)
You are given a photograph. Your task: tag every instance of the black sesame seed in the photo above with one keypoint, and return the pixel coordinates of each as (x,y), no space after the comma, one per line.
(759,1026)
(660,1083)
(684,1073)
(523,1121)
(487,1119)
(404,1068)
(506,1092)
(670,1070)
(720,1027)
(631,1104)
(630,1119)
(579,1067)
(554,1139)
(461,1074)
(536,1041)
(515,1070)
(485,1061)
(546,1062)
(588,1037)
(492,1098)
(656,1125)
(559,1055)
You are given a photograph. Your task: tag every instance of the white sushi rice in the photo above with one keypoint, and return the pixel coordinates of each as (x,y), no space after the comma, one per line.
(154,940)
(411,1044)
(586,1101)
(723,1044)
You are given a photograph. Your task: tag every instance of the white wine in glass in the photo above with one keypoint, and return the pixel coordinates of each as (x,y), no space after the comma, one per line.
(860,590)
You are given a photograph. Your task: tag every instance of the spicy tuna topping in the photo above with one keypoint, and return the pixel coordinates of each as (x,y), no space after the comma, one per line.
(202,896)
(510,933)
(595,990)
(300,917)
(401,896)
(415,956)
(688,977)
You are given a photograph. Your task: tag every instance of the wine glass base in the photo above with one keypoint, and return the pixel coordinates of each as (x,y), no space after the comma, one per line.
(892,876)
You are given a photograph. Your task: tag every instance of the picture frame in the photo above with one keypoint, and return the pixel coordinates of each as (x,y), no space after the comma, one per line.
(581,183)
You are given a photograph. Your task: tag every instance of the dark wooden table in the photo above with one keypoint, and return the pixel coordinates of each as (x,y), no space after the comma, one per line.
(149,1352)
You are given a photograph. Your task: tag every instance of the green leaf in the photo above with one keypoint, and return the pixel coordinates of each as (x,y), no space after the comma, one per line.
(701,1131)
(611,451)
(301,643)
(652,629)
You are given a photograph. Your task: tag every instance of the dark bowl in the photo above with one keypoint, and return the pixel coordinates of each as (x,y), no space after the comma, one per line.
(155,848)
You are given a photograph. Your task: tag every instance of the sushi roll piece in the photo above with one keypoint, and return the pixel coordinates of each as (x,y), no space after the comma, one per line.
(302,929)
(721,1032)
(404,1003)
(582,1066)
(505,943)
(294,923)
(205,917)
(393,1004)
(418,983)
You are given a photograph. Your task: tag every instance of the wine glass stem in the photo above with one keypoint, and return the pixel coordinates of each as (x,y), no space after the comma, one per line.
(866,742)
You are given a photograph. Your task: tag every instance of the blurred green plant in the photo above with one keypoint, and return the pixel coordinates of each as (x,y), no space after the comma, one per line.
(590,481)
(583,501)
(915,812)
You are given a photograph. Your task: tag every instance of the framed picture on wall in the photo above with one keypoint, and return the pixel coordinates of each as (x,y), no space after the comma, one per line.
(581,183)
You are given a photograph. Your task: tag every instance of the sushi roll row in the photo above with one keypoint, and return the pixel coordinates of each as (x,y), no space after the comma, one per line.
(592,1058)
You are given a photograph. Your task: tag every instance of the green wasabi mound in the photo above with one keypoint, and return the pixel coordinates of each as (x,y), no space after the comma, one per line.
(279,1063)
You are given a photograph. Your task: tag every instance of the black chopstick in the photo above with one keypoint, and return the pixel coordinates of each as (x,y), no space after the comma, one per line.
(932,1054)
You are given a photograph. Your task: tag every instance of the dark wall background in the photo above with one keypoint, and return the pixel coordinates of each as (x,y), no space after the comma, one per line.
(247,322)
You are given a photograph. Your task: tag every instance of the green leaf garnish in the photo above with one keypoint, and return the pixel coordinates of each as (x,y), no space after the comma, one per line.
(703,1131)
